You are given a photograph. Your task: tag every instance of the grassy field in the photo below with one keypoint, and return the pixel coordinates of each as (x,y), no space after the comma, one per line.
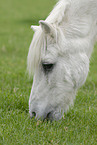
(79,126)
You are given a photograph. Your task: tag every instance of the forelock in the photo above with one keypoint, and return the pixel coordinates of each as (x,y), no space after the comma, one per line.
(35,51)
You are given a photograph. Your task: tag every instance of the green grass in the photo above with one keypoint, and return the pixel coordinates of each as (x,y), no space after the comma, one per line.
(79,126)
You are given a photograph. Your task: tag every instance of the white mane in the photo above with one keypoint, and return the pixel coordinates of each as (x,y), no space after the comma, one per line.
(74,17)
(35,51)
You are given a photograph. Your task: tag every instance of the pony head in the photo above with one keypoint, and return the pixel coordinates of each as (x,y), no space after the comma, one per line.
(59,59)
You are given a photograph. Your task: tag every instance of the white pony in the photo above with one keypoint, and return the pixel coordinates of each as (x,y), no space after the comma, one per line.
(59,57)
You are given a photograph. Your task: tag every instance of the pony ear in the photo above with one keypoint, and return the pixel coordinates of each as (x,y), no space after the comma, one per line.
(34,28)
(47,28)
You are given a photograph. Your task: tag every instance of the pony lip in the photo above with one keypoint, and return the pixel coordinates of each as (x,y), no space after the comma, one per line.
(59,57)
(47,115)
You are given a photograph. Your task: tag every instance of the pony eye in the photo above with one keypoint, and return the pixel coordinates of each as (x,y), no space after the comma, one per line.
(47,67)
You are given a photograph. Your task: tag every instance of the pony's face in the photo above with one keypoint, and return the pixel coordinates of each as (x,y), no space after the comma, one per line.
(51,88)
(59,56)
(56,80)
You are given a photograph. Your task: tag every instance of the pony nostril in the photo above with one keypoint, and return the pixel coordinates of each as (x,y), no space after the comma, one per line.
(33,114)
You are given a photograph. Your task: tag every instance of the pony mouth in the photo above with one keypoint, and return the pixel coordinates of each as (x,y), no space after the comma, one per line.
(46,117)
(50,116)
